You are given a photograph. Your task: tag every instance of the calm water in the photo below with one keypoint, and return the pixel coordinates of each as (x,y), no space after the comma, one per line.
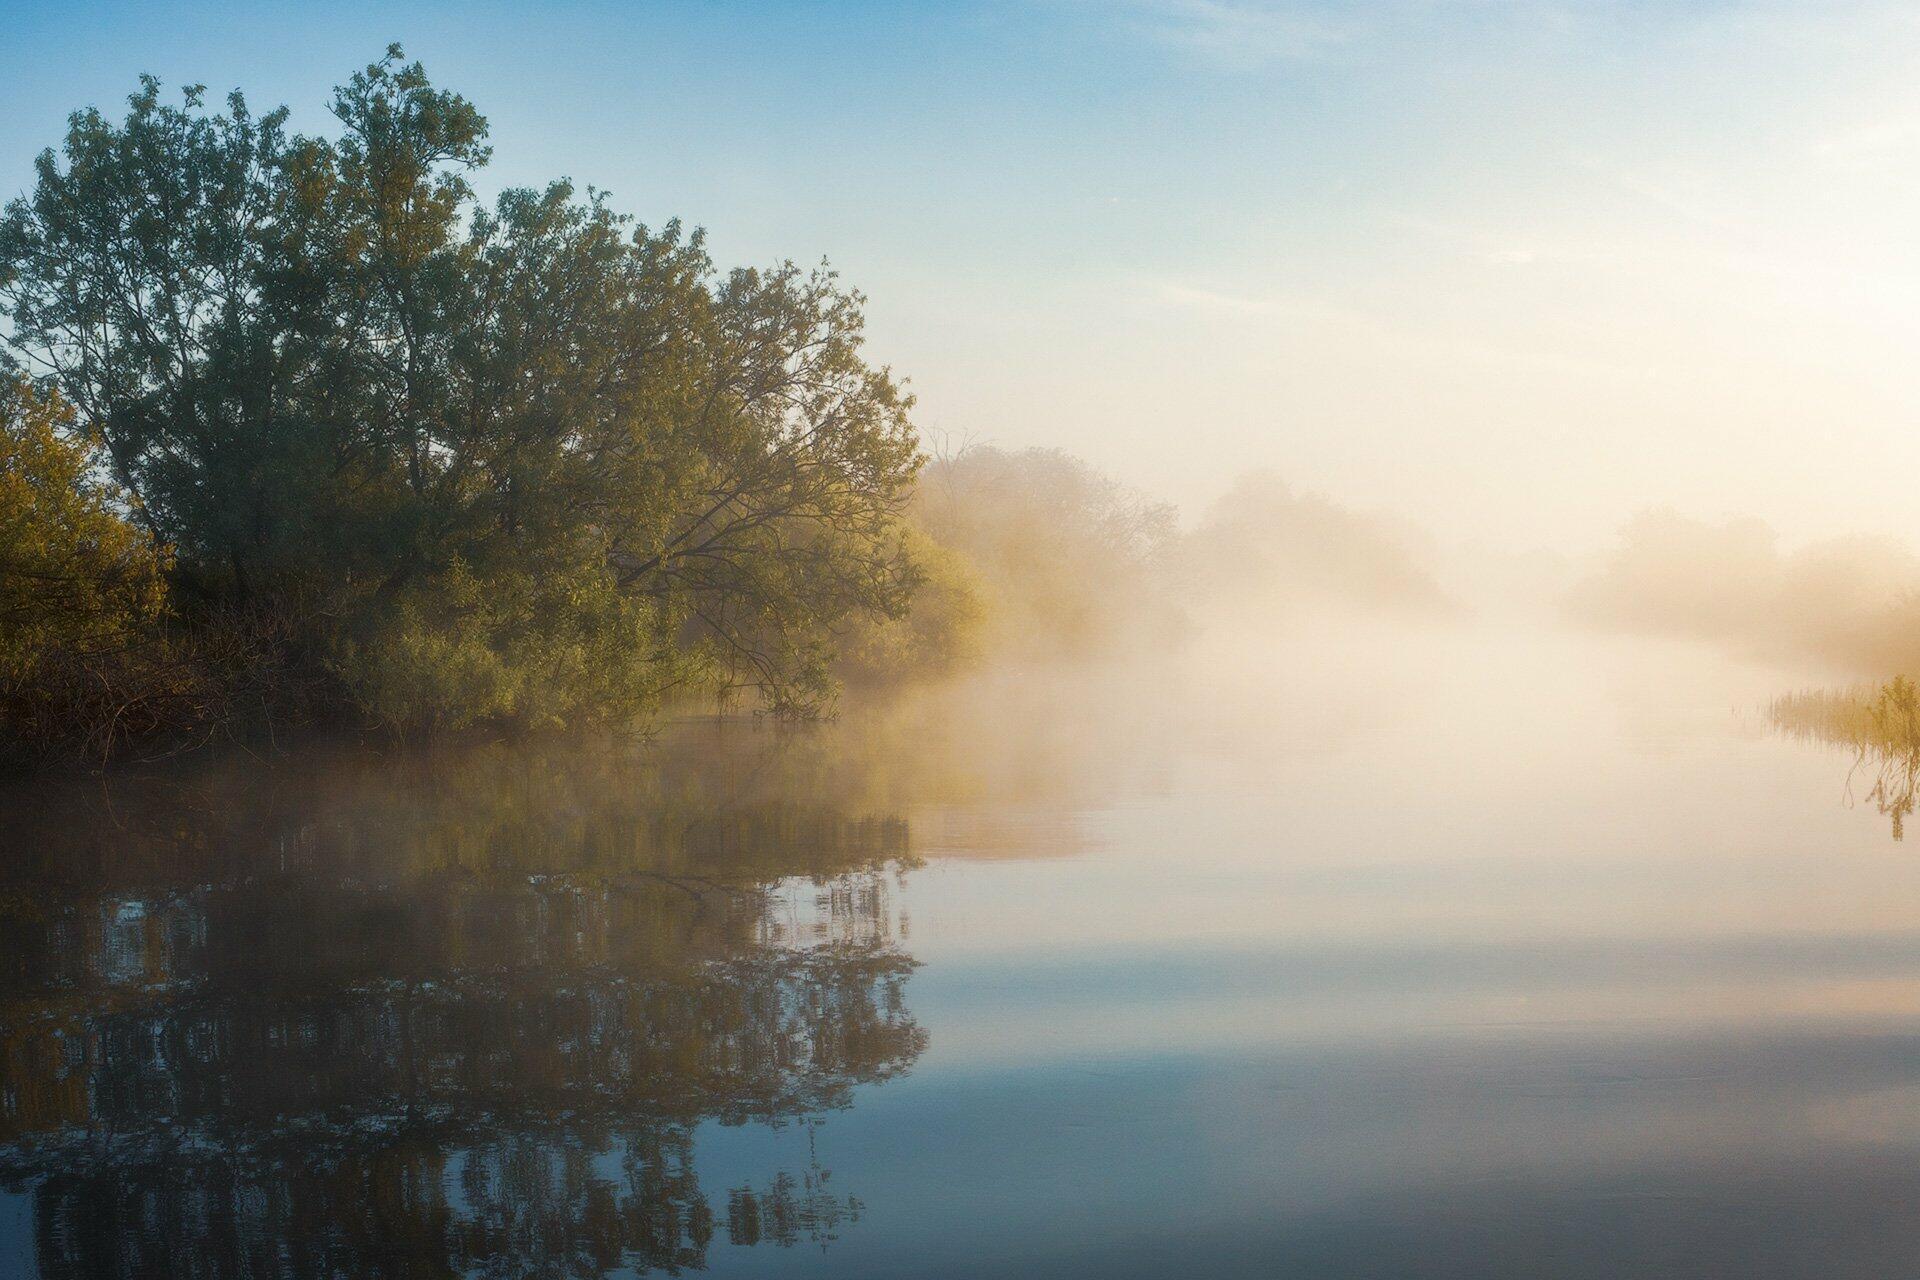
(1467,955)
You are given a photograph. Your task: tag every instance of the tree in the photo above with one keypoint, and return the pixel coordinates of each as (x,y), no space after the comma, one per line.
(138,278)
(1066,557)
(77,580)
(537,436)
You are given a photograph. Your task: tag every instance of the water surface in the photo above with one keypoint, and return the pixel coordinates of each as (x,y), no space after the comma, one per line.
(1464,954)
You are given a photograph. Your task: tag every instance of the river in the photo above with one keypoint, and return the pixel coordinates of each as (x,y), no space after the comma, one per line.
(1468,951)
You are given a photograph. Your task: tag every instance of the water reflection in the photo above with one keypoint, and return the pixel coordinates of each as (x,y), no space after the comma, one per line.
(1555,968)
(1881,726)
(338,1014)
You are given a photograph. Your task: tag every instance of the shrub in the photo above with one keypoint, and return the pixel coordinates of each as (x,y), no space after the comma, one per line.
(525,650)
(82,589)
(77,579)
(941,633)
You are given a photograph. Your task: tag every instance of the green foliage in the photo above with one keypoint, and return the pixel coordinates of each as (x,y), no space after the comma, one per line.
(76,579)
(533,652)
(943,632)
(523,462)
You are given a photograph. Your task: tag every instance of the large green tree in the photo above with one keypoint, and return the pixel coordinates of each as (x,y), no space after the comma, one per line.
(525,460)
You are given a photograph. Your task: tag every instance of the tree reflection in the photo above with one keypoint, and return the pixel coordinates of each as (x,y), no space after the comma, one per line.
(437,1015)
(1881,725)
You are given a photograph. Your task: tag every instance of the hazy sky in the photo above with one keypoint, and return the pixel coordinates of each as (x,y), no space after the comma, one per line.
(1515,269)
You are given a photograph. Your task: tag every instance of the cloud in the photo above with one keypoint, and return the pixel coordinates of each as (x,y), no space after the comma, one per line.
(1243,35)
(1201,299)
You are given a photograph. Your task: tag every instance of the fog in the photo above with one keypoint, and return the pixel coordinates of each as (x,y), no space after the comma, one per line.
(1064,562)
(1848,603)
(1041,557)
(1265,544)
(1177,637)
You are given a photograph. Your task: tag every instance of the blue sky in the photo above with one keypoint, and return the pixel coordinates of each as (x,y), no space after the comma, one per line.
(1512,268)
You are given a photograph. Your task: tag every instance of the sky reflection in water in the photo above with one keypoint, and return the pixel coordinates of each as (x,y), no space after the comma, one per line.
(1460,955)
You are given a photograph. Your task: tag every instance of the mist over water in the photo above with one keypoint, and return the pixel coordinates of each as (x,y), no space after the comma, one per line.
(925,642)
(1272,889)
(1349,942)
